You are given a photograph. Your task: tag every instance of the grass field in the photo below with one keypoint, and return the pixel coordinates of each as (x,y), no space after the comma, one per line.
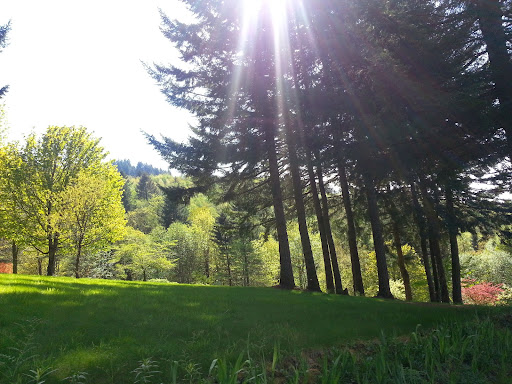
(113,330)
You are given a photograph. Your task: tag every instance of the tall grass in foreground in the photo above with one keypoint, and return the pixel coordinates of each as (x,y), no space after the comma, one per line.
(475,352)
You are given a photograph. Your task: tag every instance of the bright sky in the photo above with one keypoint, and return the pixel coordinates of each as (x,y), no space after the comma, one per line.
(73,62)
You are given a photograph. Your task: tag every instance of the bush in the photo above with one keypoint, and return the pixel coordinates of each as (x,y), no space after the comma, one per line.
(481,293)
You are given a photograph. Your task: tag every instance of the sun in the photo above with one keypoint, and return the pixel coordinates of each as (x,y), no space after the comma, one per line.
(255,9)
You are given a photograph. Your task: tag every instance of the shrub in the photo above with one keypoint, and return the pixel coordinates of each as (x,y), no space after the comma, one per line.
(481,293)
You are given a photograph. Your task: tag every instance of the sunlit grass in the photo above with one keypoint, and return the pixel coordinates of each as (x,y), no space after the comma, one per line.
(105,327)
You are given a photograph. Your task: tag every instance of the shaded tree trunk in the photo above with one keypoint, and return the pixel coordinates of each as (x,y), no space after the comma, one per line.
(15,254)
(321,226)
(328,230)
(454,247)
(434,236)
(53,245)
(420,222)
(309,261)
(40,266)
(286,272)
(378,240)
(401,262)
(77,261)
(228,265)
(351,231)
(246,270)
(431,242)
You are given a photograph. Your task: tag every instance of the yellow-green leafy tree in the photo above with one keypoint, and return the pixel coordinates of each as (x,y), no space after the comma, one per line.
(37,175)
(92,215)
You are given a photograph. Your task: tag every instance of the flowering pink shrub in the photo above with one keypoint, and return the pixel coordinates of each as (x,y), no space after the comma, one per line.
(482,293)
(5,267)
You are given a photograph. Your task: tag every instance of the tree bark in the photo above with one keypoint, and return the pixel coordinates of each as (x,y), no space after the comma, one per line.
(401,262)
(420,222)
(378,240)
(321,227)
(431,242)
(490,16)
(312,284)
(351,231)
(53,245)
(328,230)
(15,254)
(454,247)
(434,236)
(77,260)
(228,263)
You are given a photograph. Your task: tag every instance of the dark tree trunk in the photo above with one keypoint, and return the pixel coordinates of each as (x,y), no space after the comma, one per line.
(228,263)
(53,245)
(420,222)
(77,260)
(378,240)
(490,16)
(431,242)
(40,266)
(207,263)
(434,237)
(321,227)
(309,261)
(351,231)
(15,253)
(286,272)
(328,230)
(454,247)
(246,270)
(401,262)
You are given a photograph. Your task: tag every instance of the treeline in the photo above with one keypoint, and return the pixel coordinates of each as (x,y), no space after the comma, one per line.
(400,107)
(126,168)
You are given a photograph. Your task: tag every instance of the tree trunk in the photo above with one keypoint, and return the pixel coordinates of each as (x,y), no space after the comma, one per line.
(378,241)
(246,270)
(309,261)
(321,227)
(40,266)
(437,285)
(328,230)
(401,262)
(207,263)
(490,16)
(420,222)
(286,272)
(351,231)
(228,263)
(434,236)
(77,260)
(15,253)
(454,247)
(53,245)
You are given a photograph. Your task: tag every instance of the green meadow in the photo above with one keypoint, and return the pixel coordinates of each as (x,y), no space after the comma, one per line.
(60,329)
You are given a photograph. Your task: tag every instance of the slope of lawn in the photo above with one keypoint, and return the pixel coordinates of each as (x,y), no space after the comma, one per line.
(105,328)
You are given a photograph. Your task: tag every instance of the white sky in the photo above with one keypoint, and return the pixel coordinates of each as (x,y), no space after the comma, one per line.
(72,62)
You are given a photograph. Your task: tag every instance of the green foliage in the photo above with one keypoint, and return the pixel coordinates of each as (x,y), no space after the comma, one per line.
(144,257)
(58,191)
(490,262)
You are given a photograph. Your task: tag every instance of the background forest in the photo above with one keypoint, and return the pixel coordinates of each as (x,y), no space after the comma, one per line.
(357,148)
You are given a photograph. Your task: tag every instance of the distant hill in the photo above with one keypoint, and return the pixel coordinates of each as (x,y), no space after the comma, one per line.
(127,169)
